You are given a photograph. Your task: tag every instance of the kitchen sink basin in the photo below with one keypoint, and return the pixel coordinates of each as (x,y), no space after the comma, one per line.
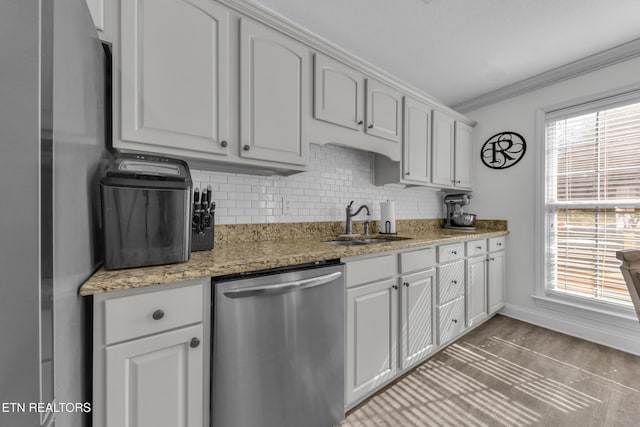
(369,241)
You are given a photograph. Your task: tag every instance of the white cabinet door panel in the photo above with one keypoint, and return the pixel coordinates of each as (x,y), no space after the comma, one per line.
(156,381)
(417,324)
(463,156)
(476,297)
(384,111)
(372,312)
(442,148)
(496,281)
(171,95)
(338,96)
(417,141)
(274,73)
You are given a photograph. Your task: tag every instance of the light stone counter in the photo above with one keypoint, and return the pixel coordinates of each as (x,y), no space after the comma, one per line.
(250,247)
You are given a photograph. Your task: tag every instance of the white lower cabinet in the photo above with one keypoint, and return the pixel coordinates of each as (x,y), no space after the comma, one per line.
(476,290)
(496,273)
(156,381)
(372,336)
(450,320)
(156,372)
(416,312)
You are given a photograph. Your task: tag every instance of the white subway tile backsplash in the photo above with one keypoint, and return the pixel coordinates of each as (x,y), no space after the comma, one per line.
(336,175)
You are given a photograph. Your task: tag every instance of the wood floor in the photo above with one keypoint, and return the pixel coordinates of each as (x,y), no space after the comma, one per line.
(510,373)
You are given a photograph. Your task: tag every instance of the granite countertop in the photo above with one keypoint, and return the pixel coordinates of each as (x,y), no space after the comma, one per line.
(243,255)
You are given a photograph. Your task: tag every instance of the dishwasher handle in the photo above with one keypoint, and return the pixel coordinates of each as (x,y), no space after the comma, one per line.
(282,288)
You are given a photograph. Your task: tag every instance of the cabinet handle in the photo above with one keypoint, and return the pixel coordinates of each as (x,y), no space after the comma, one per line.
(455,282)
(370,126)
(158,314)
(360,122)
(454,320)
(395,287)
(491,259)
(246,147)
(224,143)
(408,173)
(499,243)
(406,284)
(454,252)
(478,247)
(194,342)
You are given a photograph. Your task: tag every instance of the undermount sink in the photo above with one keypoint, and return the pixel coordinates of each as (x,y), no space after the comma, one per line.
(369,241)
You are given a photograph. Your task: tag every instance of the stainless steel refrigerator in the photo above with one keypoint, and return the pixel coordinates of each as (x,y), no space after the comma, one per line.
(52,147)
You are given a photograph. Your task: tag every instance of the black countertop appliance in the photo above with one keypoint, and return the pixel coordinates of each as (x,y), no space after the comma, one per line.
(146,203)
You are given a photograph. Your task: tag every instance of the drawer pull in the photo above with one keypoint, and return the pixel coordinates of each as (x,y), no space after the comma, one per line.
(224,143)
(194,342)
(491,259)
(454,320)
(454,252)
(455,282)
(478,247)
(395,287)
(499,243)
(406,284)
(158,314)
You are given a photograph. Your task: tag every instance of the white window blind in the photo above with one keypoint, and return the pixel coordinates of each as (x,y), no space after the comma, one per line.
(592,200)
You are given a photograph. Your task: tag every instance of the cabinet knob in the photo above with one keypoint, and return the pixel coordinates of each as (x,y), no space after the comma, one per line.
(360,122)
(408,173)
(457,182)
(224,143)
(454,320)
(246,147)
(499,243)
(158,314)
(406,284)
(194,342)
(395,287)
(478,247)
(455,282)
(370,126)
(491,259)
(454,252)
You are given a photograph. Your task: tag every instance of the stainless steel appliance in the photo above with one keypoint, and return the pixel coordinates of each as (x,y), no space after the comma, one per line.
(278,348)
(456,218)
(52,149)
(146,210)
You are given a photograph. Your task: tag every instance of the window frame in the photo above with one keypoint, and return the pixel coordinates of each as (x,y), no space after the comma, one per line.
(542,295)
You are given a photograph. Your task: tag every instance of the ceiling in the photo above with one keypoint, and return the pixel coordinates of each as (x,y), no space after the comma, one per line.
(457,50)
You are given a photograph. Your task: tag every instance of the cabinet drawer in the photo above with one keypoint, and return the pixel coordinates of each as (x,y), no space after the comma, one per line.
(476,247)
(370,269)
(451,252)
(417,260)
(450,320)
(497,243)
(450,282)
(143,314)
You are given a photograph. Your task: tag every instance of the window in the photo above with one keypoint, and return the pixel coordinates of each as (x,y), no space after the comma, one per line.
(592,197)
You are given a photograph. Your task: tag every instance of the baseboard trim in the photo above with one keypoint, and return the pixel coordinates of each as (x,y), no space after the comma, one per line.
(599,333)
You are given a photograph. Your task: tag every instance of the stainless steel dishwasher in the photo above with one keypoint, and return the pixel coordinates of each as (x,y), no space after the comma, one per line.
(278,348)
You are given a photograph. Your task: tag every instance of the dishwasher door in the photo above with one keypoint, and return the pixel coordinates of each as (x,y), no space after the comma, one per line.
(278,350)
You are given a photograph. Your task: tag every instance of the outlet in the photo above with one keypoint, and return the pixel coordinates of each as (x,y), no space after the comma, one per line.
(286,206)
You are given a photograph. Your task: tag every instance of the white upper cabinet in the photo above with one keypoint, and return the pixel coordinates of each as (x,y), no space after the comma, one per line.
(416,150)
(452,152)
(463,154)
(274,73)
(443,134)
(384,111)
(338,93)
(174,85)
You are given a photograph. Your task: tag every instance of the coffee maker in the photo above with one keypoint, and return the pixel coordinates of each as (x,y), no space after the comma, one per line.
(456,218)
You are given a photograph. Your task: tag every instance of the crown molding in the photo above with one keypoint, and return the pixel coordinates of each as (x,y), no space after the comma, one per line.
(586,65)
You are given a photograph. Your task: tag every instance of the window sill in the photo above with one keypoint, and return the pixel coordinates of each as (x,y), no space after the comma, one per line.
(600,312)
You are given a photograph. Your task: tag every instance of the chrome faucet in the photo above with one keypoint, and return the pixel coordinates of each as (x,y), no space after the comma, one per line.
(351,215)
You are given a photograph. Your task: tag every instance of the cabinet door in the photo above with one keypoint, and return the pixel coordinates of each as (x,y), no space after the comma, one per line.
(174,74)
(372,313)
(476,290)
(416,317)
(463,156)
(338,95)
(442,148)
(274,72)
(156,381)
(416,149)
(496,281)
(384,111)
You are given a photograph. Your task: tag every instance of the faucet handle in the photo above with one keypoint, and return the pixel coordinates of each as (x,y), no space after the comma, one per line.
(350,204)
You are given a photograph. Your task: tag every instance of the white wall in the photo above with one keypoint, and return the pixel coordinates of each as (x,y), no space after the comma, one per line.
(336,176)
(510,194)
